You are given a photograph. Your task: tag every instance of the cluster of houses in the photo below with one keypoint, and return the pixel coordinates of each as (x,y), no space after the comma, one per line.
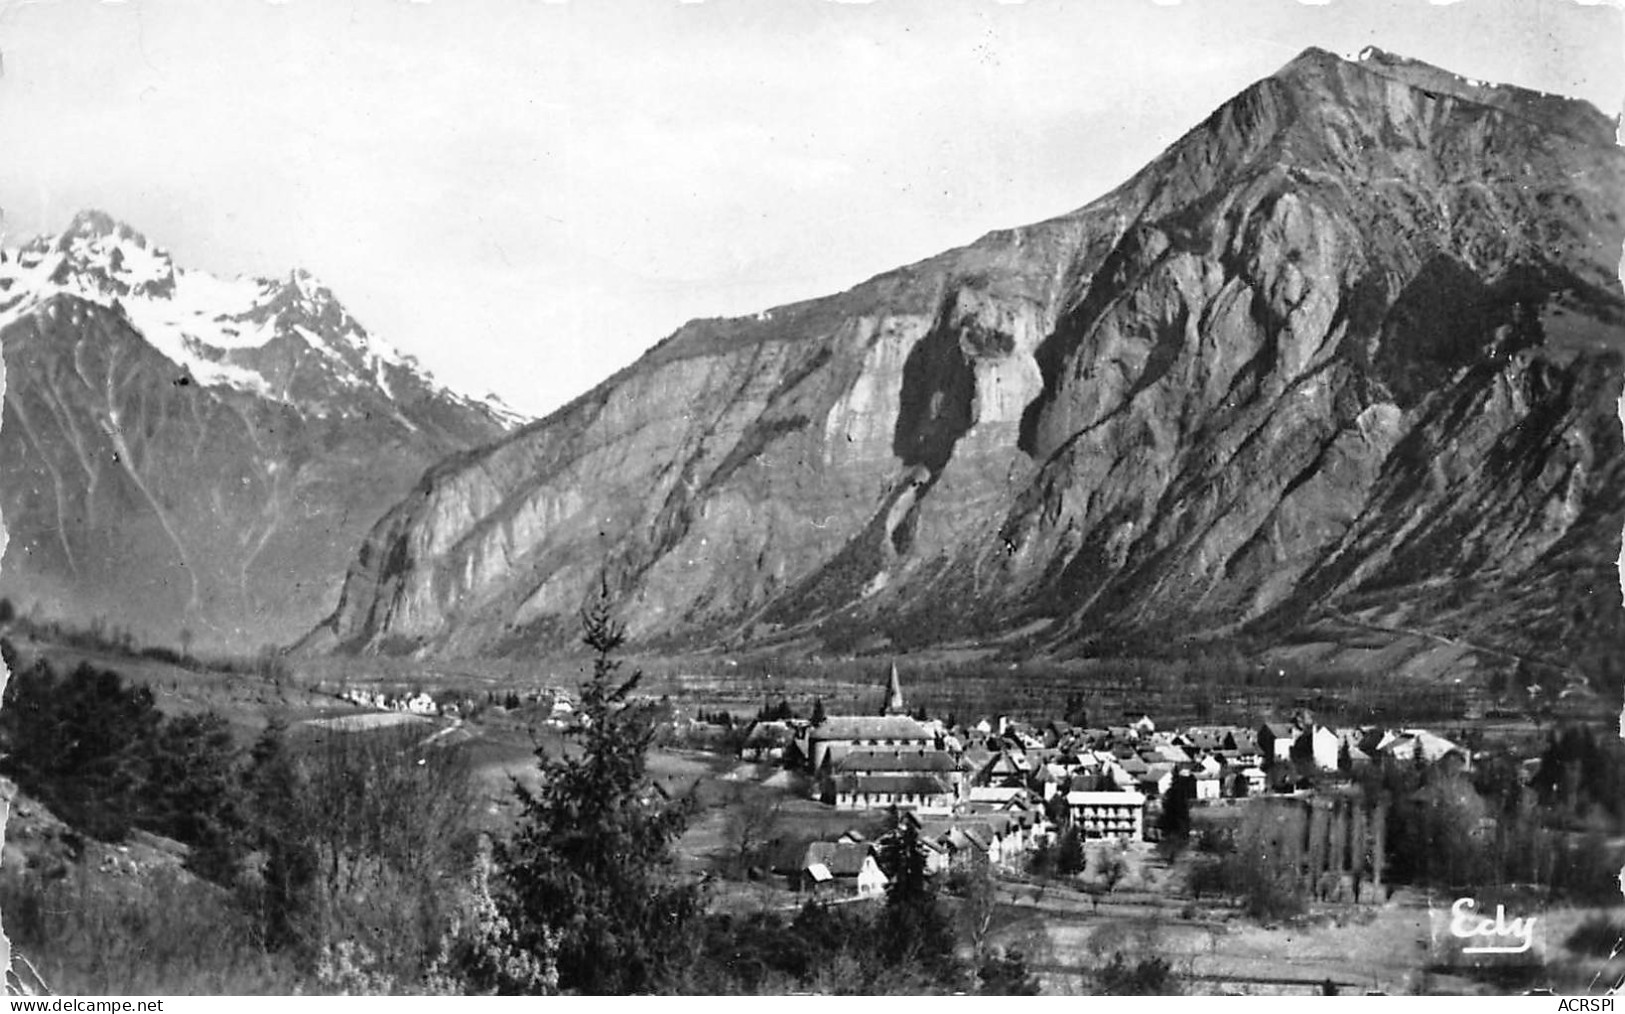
(561,711)
(419,703)
(997,789)
(850,865)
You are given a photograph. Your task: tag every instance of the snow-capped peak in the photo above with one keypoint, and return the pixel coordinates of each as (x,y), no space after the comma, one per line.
(504,413)
(287,339)
(106,255)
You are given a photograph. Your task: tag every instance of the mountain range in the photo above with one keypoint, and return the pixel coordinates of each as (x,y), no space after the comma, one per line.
(1344,358)
(185,453)
(1341,366)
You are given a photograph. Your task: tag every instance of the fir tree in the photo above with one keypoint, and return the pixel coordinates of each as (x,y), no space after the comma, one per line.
(1069,854)
(194,792)
(912,929)
(589,866)
(1175,822)
(276,791)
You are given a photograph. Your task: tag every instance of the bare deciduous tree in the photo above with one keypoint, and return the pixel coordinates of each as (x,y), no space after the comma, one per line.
(751,826)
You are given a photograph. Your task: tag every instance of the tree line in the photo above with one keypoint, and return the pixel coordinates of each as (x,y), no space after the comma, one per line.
(357,861)
(1444,827)
(348,854)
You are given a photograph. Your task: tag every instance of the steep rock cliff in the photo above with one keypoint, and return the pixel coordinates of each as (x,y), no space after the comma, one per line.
(1350,346)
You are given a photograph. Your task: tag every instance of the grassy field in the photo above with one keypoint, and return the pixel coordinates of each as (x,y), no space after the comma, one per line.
(248,702)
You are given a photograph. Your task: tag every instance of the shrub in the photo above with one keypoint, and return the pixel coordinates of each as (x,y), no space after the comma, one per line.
(367,838)
(163,931)
(1261,868)
(1005,974)
(1148,977)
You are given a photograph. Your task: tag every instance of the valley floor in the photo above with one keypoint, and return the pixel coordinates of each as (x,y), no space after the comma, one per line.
(1066,931)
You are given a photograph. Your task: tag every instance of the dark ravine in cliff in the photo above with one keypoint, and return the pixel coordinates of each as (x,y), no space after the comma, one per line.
(1349,348)
(182,452)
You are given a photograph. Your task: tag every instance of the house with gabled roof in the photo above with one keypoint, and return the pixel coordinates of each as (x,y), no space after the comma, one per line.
(1048,779)
(1007,767)
(1134,765)
(1156,781)
(999,795)
(1405,745)
(1207,738)
(1167,752)
(1247,742)
(1241,781)
(1275,741)
(1093,737)
(843,868)
(767,741)
(1317,745)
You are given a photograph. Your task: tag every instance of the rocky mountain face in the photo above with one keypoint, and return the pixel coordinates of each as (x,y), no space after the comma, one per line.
(182,452)
(1348,352)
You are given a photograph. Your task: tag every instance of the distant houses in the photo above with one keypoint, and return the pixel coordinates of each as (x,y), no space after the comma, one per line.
(418,703)
(1406,744)
(767,741)
(994,790)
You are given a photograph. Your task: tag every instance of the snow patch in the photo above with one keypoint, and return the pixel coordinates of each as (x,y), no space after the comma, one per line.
(172,340)
(197,319)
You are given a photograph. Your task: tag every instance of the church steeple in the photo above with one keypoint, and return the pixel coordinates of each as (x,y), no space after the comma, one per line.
(893,703)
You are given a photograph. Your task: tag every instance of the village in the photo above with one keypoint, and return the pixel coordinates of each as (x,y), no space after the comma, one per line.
(1000,791)
(1089,824)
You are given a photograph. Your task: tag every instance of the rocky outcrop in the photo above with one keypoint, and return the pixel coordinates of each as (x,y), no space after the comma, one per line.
(1351,346)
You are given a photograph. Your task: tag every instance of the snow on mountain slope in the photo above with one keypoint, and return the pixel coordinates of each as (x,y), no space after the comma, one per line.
(181,451)
(243,333)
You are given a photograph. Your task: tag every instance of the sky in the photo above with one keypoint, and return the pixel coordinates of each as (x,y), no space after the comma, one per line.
(526,195)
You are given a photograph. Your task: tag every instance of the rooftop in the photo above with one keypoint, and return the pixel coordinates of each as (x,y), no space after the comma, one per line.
(906,784)
(1104,799)
(841,858)
(896,761)
(896,727)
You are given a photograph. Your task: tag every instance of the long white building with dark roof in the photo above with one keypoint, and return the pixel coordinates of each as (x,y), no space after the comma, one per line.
(838,736)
